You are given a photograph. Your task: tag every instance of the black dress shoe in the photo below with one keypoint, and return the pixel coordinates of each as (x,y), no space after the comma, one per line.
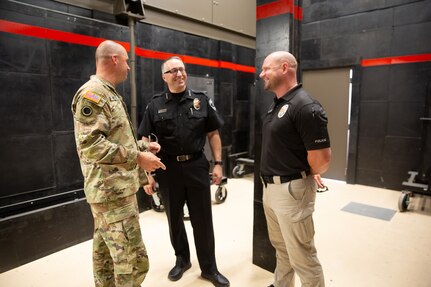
(217,279)
(272,285)
(177,272)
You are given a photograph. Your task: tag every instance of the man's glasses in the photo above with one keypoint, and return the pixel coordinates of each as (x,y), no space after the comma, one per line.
(174,71)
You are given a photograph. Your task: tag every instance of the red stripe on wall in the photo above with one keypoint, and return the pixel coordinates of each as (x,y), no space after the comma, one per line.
(195,60)
(277,8)
(51,34)
(396,60)
(56,35)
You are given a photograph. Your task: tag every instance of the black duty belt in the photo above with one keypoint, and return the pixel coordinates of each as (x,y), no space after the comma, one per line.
(181,157)
(276,179)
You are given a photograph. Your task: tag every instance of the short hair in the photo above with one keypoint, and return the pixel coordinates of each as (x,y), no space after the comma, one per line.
(109,48)
(168,59)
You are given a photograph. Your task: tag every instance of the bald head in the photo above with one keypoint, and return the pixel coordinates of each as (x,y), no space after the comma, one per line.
(107,49)
(112,62)
(281,57)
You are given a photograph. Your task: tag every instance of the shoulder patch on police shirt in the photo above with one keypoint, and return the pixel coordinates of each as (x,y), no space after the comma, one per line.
(92,97)
(212,104)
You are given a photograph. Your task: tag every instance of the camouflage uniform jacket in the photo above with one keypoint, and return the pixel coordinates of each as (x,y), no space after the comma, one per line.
(106,144)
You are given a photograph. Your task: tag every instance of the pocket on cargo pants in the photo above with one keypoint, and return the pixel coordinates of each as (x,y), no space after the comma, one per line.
(117,239)
(302,196)
(129,253)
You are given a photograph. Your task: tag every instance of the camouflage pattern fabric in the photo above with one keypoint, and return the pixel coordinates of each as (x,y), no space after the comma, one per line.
(106,144)
(108,150)
(119,255)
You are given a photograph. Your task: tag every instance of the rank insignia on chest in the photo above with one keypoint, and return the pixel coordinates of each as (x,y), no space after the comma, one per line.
(92,97)
(282,111)
(196,104)
(161,111)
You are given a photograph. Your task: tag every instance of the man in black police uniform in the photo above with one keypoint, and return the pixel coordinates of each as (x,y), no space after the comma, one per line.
(181,119)
(295,151)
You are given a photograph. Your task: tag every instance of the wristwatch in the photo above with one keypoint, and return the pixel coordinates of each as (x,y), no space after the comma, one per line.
(219,162)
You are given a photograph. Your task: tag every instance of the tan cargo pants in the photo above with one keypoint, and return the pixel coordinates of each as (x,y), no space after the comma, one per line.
(288,210)
(119,255)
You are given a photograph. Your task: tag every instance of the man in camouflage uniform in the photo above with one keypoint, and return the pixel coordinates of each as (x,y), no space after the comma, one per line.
(113,163)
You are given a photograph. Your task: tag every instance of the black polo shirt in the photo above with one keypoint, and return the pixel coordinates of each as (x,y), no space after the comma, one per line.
(180,121)
(293,124)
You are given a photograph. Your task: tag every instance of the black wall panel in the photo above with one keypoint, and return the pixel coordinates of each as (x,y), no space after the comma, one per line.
(22,54)
(412,39)
(401,154)
(378,84)
(342,36)
(270,39)
(63,226)
(226,101)
(27,167)
(63,89)
(403,14)
(370,152)
(403,119)
(25,94)
(146,75)
(67,168)
(265,254)
(243,90)
(167,40)
(409,82)
(388,99)
(393,98)
(316,10)
(71,61)
(201,47)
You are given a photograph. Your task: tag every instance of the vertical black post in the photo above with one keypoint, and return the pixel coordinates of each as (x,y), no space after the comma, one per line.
(277,29)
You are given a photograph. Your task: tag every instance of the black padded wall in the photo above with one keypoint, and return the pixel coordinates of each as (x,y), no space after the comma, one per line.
(390,134)
(386,138)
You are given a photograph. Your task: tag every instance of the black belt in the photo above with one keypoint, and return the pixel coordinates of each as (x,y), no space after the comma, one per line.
(275,179)
(181,157)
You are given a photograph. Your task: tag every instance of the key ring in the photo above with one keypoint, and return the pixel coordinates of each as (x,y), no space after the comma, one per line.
(151,136)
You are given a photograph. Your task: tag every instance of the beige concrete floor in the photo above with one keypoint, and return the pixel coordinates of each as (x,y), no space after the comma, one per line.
(355,250)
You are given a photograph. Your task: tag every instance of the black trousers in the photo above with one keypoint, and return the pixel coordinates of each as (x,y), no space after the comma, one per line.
(189,182)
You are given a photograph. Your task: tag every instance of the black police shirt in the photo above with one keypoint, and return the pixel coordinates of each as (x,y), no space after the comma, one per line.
(180,121)
(293,124)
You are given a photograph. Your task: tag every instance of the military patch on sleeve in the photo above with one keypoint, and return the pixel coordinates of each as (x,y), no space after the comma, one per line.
(92,97)
(87,111)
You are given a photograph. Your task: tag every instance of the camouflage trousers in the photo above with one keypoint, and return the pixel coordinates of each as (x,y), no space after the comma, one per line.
(119,255)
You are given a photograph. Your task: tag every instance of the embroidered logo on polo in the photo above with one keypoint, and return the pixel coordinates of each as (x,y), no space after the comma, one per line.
(283,111)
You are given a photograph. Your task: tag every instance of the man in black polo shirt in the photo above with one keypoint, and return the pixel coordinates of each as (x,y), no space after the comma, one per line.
(182,119)
(295,152)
